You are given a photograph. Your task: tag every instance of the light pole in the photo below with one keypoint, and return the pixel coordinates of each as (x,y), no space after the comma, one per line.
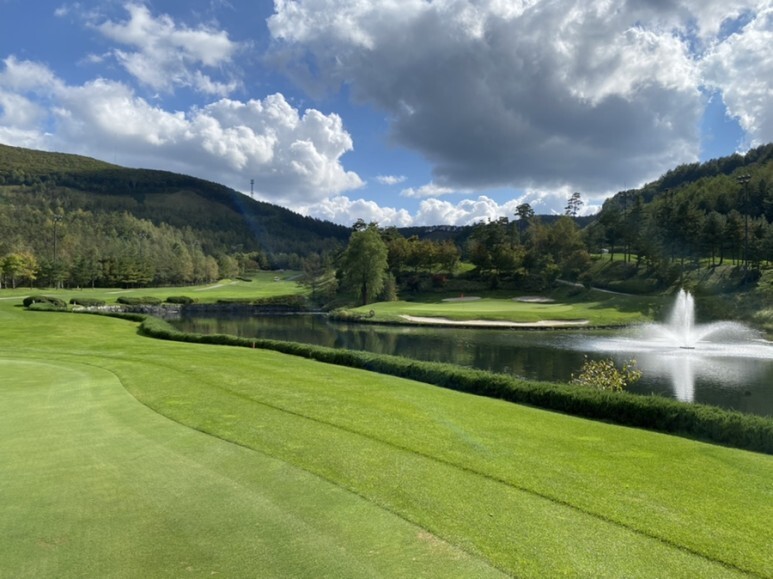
(55,268)
(744,180)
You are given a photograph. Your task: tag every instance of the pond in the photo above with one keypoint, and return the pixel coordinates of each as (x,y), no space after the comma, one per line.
(743,383)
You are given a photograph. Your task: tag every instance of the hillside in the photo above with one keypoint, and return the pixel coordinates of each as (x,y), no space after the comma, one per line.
(721,210)
(59,207)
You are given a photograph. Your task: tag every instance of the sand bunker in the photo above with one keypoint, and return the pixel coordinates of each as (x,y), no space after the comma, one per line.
(534,300)
(495,324)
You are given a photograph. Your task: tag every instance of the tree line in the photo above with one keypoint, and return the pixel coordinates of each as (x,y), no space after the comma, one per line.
(525,253)
(721,219)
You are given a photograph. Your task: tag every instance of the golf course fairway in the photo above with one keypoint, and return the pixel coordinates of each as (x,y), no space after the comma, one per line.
(124,456)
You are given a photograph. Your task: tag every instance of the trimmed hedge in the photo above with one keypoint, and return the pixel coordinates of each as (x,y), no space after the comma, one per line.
(701,422)
(87,302)
(49,302)
(184,300)
(139,301)
(294,302)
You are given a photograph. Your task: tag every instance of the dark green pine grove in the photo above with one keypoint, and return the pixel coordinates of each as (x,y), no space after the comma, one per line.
(720,211)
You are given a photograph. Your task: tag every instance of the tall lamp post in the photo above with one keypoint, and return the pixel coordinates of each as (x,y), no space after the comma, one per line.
(744,180)
(55,268)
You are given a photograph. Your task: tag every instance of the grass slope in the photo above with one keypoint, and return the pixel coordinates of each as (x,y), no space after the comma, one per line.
(335,472)
(95,484)
(599,308)
(263,284)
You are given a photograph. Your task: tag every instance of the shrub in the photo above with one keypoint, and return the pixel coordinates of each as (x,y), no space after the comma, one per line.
(184,300)
(139,300)
(293,302)
(46,307)
(87,302)
(53,302)
(604,375)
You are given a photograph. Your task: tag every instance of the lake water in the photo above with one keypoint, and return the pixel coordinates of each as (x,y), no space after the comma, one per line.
(743,383)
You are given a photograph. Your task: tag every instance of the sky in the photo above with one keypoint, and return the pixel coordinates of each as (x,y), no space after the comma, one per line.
(403,112)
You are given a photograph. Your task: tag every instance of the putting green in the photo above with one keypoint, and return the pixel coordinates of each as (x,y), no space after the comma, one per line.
(95,484)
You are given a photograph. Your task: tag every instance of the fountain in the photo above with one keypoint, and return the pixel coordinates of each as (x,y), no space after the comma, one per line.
(682,351)
(682,332)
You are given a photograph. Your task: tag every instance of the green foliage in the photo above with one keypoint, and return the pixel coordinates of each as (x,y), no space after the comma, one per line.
(139,300)
(288,302)
(99,224)
(716,211)
(651,412)
(364,264)
(46,307)
(604,375)
(18,267)
(183,300)
(51,301)
(87,302)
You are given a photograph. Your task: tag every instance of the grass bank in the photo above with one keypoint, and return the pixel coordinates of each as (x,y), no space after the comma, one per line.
(264,284)
(596,307)
(258,463)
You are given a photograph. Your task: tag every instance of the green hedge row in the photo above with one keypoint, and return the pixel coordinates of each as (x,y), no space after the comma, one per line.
(297,302)
(87,302)
(44,302)
(139,300)
(707,423)
(184,300)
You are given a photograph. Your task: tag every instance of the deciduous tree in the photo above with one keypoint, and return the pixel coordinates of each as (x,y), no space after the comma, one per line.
(364,263)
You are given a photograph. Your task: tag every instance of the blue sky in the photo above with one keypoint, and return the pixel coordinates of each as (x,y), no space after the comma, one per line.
(405,112)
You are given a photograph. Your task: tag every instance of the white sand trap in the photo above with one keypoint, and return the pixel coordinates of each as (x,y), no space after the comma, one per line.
(534,300)
(463,299)
(496,324)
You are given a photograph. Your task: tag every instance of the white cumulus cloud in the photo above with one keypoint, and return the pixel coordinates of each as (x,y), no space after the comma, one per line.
(534,93)
(293,156)
(390,179)
(164,55)
(341,209)
(428,190)
(741,68)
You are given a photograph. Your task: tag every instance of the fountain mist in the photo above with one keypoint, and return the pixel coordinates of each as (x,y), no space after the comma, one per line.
(684,351)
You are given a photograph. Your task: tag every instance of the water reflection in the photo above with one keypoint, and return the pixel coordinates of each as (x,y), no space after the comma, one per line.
(742,380)
(729,369)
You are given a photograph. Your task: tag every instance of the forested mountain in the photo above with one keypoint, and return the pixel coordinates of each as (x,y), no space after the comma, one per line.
(83,221)
(721,209)
(71,220)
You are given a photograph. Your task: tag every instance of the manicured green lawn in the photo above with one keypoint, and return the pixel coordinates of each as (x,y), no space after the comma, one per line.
(600,310)
(263,284)
(256,463)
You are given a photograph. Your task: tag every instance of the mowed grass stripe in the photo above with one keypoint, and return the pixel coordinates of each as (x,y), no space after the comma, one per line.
(215,411)
(95,484)
(588,461)
(216,429)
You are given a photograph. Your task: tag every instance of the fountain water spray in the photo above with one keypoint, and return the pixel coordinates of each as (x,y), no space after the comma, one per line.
(682,320)
(681,331)
(685,351)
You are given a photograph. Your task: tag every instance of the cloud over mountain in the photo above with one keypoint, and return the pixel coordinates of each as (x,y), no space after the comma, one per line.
(532,93)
